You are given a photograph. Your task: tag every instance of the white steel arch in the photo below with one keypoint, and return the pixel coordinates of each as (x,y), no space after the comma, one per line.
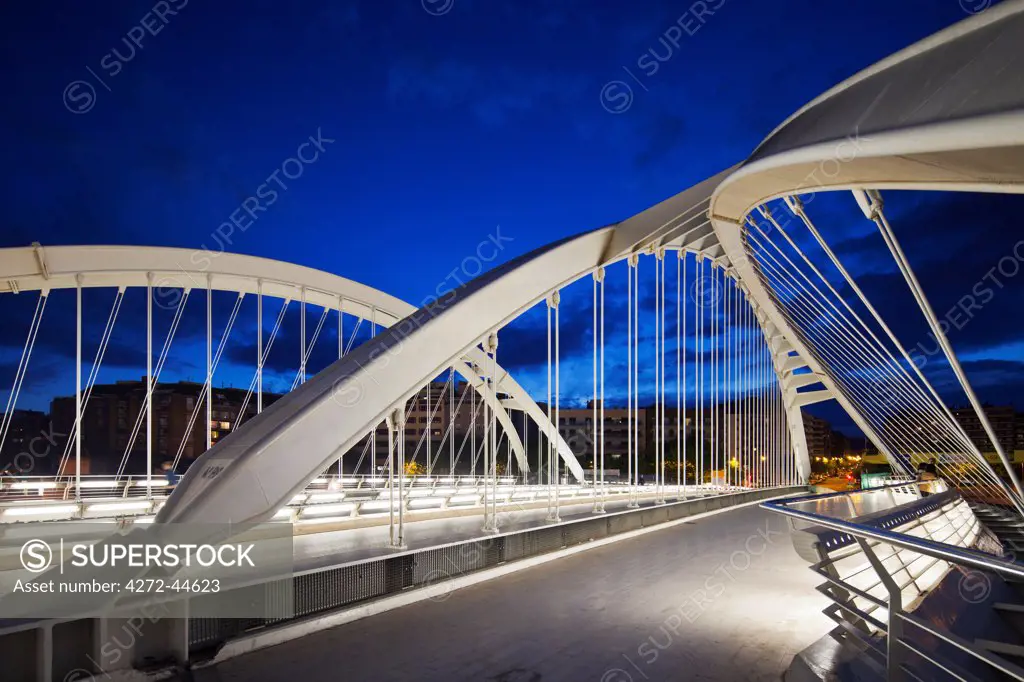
(252,481)
(38,268)
(944,114)
(55,267)
(919,119)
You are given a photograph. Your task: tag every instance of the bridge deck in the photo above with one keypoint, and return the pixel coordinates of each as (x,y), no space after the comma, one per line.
(723,597)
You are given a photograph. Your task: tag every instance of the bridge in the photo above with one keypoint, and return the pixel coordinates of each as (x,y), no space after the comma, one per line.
(661,524)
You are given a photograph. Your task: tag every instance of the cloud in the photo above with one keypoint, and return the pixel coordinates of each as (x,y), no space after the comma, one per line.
(494,94)
(666,134)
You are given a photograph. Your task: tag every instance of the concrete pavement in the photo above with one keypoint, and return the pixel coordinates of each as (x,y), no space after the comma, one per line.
(720,598)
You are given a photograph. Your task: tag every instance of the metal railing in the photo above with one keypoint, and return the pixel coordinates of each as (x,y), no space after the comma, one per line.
(899,558)
(326,498)
(50,487)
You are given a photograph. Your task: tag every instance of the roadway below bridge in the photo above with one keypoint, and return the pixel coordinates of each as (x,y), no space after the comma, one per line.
(718,597)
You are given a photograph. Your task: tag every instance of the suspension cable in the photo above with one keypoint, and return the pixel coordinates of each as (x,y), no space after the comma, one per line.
(451,423)
(26,355)
(366,447)
(352,336)
(593,421)
(430,421)
(636,382)
(701,370)
(729,444)
(748,340)
(101,351)
(870,403)
(558,391)
(659,379)
(601,441)
(871,204)
(548,426)
(207,390)
(307,352)
(797,207)
(842,357)
(900,464)
(919,392)
(474,410)
(262,361)
(715,478)
(680,417)
(629,378)
(865,350)
(161,360)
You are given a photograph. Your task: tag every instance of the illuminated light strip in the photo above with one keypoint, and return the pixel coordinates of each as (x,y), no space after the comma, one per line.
(118,506)
(41,485)
(319,509)
(52,509)
(153,483)
(315,498)
(100,484)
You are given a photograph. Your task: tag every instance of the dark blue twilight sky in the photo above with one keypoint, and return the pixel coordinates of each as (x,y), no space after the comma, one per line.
(448,118)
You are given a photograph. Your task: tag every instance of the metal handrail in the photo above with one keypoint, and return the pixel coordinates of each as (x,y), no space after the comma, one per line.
(912,579)
(813,497)
(966,557)
(896,642)
(917,524)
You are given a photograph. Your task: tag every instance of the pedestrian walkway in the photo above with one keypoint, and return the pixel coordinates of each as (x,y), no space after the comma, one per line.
(723,597)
